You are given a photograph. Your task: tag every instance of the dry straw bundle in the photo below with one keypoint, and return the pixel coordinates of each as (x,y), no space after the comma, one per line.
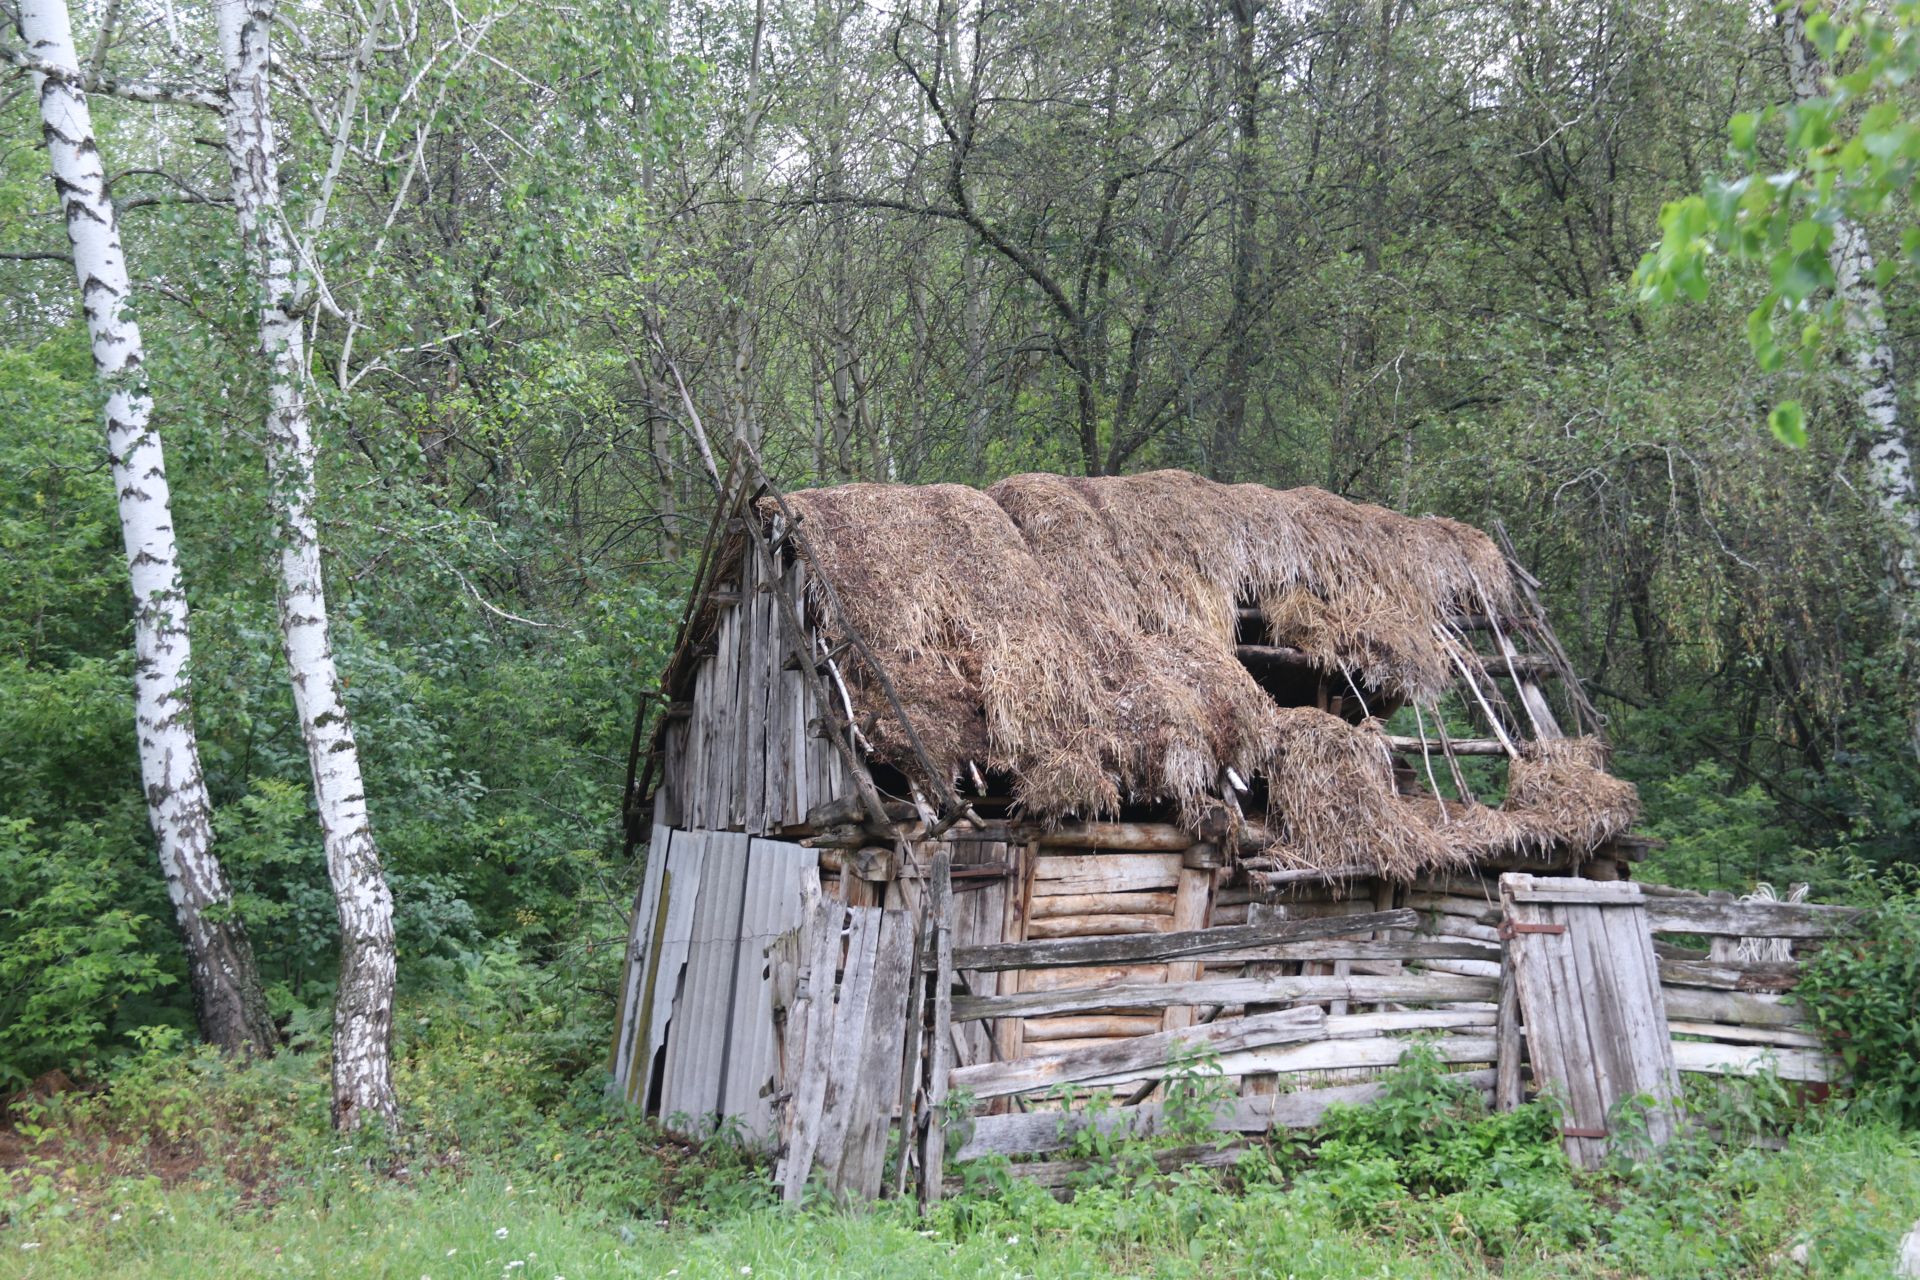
(1079,635)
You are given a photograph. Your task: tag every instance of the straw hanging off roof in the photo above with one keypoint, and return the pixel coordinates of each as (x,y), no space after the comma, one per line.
(1079,635)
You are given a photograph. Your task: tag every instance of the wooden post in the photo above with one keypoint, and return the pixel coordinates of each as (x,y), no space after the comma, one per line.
(1008,1033)
(1264,1083)
(1192,907)
(910,1060)
(933,1137)
(1507,1093)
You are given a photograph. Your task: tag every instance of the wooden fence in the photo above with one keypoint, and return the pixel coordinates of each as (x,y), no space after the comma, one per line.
(1439,970)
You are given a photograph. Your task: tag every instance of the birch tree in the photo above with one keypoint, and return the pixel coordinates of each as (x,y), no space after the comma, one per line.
(228,1002)
(363,1004)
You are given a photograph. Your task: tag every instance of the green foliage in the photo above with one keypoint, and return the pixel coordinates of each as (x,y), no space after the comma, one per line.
(1852,153)
(72,953)
(1863,992)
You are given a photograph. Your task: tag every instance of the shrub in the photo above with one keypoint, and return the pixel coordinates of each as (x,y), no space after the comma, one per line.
(1863,992)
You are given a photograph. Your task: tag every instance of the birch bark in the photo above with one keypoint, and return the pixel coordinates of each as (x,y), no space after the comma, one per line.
(363,1005)
(1889,446)
(1889,442)
(228,1003)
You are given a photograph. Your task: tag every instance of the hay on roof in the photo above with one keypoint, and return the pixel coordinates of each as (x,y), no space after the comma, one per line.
(1079,635)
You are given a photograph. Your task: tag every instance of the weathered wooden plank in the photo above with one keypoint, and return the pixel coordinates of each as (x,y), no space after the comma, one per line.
(1785,1037)
(1350,1055)
(1119,836)
(1075,874)
(1473,909)
(1507,1091)
(1193,902)
(1574,891)
(812,1021)
(1404,988)
(1749,919)
(1083,1026)
(1418,947)
(1702,1058)
(1693,1005)
(1774,977)
(1042,1132)
(1096,926)
(1098,904)
(933,1150)
(1141,1056)
(1172,946)
(1093,976)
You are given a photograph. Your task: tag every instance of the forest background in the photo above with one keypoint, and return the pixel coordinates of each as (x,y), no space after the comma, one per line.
(1382,248)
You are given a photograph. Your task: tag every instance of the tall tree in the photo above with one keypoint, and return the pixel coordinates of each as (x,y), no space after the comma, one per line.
(228,1002)
(363,1003)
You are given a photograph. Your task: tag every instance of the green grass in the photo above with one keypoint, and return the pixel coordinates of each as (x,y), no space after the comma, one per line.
(1846,1191)
(191,1167)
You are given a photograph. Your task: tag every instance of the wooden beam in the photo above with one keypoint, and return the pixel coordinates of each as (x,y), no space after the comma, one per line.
(1149,837)
(1145,1055)
(1749,919)
(1460,746)
(1151,949)
(1420,988)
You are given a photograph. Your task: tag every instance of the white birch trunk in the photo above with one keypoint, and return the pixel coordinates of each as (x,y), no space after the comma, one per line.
(1889,444)
(363,1006)
(229,1005)
(1889,451)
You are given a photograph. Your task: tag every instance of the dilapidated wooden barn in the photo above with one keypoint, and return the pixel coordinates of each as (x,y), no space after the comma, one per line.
(989,790)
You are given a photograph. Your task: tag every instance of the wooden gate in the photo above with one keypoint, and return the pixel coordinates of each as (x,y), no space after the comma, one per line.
(1581,954)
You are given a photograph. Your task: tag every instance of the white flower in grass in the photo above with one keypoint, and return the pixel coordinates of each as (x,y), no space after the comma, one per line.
(500,1233)
(746,1271)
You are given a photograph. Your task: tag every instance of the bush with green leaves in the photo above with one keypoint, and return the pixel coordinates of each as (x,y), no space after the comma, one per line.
(1863,992)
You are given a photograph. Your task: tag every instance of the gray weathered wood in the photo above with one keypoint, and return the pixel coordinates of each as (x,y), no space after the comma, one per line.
(1418,947)
(1142,1055)
(811,1021)
(1401,988)
(1752,977)
(933,1151)
(1042,1132)
(1588,983)
(1692,1005)
(1749,919)
(1507,1093)
(1701,1058)
(1170,946)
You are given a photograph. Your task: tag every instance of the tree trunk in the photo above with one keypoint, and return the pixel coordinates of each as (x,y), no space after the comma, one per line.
(227,998)
(363,1005)
(1888,440)
(1224,462)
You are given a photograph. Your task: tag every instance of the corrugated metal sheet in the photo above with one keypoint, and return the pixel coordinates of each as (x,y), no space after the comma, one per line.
(680,884)
(697,1037)
(783,880)
(637,979)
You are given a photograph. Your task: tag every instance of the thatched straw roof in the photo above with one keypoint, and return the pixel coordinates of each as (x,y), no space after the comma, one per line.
(1079,635)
